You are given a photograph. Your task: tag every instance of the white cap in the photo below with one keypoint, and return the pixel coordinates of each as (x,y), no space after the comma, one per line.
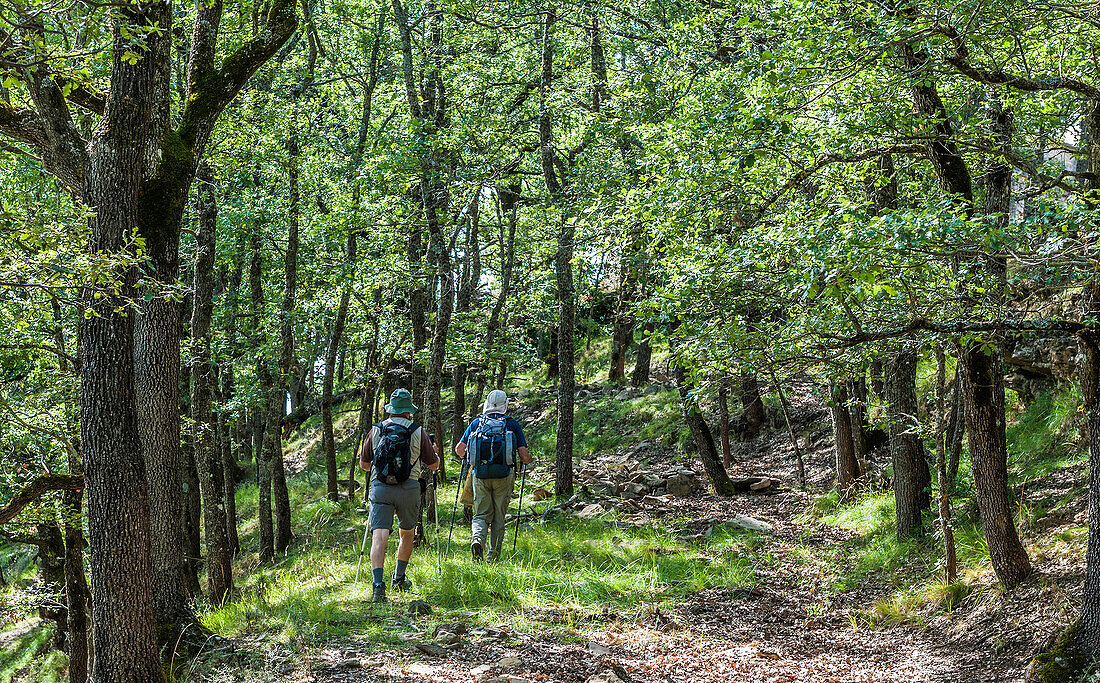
(496,402)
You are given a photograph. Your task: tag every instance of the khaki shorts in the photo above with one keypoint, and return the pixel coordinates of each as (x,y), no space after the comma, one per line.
(402,499)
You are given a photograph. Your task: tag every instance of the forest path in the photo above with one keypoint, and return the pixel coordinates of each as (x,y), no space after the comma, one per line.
(787,628)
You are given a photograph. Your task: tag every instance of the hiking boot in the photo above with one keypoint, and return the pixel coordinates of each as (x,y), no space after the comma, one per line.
(475,549)
(379,594)
(401,584)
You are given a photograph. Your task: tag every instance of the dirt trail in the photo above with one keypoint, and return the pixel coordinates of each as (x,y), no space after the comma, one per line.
(790,627)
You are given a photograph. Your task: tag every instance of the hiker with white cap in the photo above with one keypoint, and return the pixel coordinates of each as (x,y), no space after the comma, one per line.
(493,440)
(396,454)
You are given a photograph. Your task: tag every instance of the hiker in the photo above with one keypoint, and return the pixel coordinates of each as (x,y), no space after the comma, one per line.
(493,440)
(396,455)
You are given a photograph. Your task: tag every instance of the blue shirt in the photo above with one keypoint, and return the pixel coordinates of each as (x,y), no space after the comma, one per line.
(510,425)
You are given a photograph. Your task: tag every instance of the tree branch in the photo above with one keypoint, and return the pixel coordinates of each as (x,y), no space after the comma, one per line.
(961,61)
(38,488)
(210,90)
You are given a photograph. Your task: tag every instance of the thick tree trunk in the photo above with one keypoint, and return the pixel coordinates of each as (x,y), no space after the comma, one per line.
(911,475)
(328,439)
(114,466)
(983,392)
(208,457)
(847,467)
(701,435)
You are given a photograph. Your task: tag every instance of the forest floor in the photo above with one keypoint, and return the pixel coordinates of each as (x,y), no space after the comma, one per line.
(775,586)
(781,585)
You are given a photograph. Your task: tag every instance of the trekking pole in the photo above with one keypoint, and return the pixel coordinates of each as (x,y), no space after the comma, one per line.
(363,548)
(519,508)
(454,511)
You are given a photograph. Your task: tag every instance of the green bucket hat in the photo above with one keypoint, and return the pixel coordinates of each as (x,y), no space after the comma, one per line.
(401,401)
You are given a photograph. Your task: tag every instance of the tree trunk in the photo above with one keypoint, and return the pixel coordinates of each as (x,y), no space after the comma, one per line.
(208,457)
(724,421)
(911,475)
(279,492)
(950,563)
(983,391)
(114,466)
(847,467)
(262,412)
(76,586)
(335,339)
(701,435)
(640,376)
(753,416)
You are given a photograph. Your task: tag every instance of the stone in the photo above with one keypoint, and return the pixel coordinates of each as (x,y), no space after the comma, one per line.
(596,648)
(591,511)
(419,608)
(457,628)
(624,395)
(750,523)
(508,663)
(479,670)
(605,677)
(431,649)
(678,485)
(638,490)
(349,664)
(760,485)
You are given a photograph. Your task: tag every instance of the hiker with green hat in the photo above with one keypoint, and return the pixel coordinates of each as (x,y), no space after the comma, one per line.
(493,441)
(396,455)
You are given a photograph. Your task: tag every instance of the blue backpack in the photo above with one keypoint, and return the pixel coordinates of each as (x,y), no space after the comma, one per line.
(492,448)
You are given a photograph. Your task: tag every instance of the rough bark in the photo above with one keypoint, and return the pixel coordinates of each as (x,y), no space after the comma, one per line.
(753,417)
(847,467)
(205,439)
(76,586)
(911,475)
(701,435)
(982,382)
(114,467)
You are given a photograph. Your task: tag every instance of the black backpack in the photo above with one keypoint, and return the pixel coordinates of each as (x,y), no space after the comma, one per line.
(492,448)
(393,454)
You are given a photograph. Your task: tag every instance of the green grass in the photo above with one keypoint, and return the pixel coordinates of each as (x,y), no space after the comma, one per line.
(1043,437)
(19,658)
(579,566)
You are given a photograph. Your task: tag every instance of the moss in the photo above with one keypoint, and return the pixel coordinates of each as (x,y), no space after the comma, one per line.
(1061,664)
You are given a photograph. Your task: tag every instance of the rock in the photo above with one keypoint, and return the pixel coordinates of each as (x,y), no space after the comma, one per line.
(419,608)
(638,490)
(596,649)
(540,494)
(624,395)
(457,628)
(508,663)
(678,485)
(605,677)
(431,649)
(449,638)
(652,480)
(349,664)
(591,511)
(760,485)
(746,522)
(479,670)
